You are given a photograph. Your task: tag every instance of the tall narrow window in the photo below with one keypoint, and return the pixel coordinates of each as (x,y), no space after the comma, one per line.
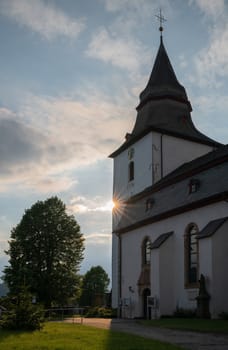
(131,171)
(146,251)
(191,256)
(194,185)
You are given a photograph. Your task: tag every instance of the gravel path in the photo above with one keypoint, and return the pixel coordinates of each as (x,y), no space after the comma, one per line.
(186,340)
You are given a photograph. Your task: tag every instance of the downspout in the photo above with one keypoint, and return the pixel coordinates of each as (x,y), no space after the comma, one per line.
(119,276)
(161,147)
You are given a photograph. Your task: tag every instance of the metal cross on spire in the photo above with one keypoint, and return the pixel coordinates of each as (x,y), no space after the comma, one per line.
(162,19)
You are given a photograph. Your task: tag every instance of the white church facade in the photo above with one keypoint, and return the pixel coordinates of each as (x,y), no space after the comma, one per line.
(170,223)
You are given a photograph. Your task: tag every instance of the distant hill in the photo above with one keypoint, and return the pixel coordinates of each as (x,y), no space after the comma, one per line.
(3,289)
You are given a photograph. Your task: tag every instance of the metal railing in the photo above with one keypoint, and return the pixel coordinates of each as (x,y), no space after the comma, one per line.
(69,314)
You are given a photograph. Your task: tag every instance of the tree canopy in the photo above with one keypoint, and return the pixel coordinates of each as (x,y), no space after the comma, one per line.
(45,250)
(94,286)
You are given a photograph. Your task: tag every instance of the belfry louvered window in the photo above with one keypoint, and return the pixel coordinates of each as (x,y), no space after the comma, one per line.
(131,171)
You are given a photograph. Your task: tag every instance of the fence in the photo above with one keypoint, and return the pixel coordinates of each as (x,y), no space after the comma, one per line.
(70,314)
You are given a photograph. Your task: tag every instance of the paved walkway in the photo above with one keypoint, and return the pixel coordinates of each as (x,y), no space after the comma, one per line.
(186,340)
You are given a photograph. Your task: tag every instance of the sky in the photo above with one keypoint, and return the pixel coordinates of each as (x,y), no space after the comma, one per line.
(71,72)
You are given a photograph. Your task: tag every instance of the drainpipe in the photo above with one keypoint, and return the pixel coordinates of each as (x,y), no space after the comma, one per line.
(119,276)
(161,147)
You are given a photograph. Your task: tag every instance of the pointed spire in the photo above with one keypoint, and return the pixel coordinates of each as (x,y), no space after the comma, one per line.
(164,106)
(163,81)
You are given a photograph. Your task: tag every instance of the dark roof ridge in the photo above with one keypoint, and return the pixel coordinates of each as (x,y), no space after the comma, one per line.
(131,139)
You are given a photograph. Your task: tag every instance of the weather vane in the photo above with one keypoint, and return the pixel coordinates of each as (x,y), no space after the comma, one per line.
(162,19)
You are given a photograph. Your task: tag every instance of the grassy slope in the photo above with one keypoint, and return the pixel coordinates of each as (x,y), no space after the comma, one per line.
(198,325)
(60,336)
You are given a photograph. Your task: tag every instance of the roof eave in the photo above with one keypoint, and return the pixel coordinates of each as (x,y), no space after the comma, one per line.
(133,139)
(173,212)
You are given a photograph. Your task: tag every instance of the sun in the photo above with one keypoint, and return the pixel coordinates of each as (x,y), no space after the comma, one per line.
(110,205)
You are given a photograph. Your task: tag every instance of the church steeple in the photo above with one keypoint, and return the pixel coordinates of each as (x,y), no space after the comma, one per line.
(164,107)
(163,82)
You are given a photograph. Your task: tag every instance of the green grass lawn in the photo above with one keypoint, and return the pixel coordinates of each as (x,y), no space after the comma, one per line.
(190,324)
(62,336)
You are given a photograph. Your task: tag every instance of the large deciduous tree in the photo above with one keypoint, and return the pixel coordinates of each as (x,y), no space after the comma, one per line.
(45,250)
(94,286)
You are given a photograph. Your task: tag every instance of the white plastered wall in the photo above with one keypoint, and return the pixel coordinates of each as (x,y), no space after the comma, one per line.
(167,276)
(115,262)
(131,257)
(213,264)
(177,151)
(163,278)
(142,158)
(219,300)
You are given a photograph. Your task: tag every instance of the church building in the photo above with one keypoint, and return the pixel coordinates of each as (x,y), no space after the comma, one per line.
(170,223)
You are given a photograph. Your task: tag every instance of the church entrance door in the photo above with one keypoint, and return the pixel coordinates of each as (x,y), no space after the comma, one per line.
(146,310)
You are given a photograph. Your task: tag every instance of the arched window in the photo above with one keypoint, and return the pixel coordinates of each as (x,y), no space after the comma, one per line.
(131,171)
(146,251)
(191,256)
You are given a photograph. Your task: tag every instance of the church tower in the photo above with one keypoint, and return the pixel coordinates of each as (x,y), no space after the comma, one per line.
(163,138)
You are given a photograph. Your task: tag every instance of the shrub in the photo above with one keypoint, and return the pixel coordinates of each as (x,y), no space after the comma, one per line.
(21,313)
(184,313)
(102,312)
(223,315)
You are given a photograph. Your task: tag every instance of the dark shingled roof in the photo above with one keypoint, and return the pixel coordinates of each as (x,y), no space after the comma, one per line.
(171,194)
(160,240)
(211,227)
(164,107)
(163,80)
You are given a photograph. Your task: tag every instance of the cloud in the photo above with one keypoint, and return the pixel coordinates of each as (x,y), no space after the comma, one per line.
(3,246)
(84,205)
(18,142)
(183,61)
(206,109)
(44,142)
(130,15)
(211,8)
(40,17)
(117,5)
(126,53)
(69,121)
(5,227)
(117,43)
(141,8)
(25,155)
(94,216)
(212,62)
(211,103)
(98,238)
